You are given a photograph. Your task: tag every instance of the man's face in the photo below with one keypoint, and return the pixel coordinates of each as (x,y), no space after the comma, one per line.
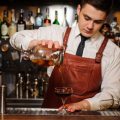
(90,20)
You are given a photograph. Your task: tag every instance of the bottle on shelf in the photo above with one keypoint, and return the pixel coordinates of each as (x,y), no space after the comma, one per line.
(47,21)
(12,27)
(38,19)
(27,94)
(114,23)
(65,22)
(75,20)
(45,80)
(0,26)
(21,25)
(5,25)
(56,18)
(30,22)
(21,87)
(35,92)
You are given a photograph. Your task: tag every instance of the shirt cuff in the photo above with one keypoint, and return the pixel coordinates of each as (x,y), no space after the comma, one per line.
(25,43)
(94,104)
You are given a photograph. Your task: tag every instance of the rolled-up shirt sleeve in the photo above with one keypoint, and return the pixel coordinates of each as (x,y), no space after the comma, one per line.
(24,37)
(109,96)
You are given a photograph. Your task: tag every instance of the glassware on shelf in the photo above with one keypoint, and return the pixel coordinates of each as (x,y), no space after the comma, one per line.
(56,19)
(63,93)
(75,20)
(30,22)
(21,25)
(2,99)
(12,27)
(65,22)
(5,25)
(47,21)
(38,19)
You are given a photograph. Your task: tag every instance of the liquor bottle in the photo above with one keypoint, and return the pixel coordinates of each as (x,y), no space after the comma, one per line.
(0,26)
(35,93)
(21,25)
(75,20)
(56,19)
(21,87)
(38,19)
(5,25)
(47,21)
(65,22)
(30,22)
(12,27)
(27,94)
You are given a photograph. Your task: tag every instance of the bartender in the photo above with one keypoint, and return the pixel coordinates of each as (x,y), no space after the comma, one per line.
(91,64)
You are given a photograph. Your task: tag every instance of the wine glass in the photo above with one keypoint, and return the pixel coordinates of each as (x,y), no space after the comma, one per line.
(63,93)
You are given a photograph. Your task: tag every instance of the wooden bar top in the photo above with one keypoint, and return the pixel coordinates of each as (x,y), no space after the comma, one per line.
(52,114)
(57,117)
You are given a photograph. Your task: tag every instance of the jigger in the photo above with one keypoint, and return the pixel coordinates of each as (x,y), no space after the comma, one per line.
(2,99)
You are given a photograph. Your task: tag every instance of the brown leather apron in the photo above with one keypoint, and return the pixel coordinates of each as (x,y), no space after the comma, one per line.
(82,74)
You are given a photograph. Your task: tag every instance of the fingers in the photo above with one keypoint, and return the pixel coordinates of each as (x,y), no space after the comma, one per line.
(48,43)
(63,107)
(73,107)
(68,107)
(56,44)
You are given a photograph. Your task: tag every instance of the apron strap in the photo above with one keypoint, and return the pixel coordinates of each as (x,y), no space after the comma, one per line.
(65,40)
(100,51)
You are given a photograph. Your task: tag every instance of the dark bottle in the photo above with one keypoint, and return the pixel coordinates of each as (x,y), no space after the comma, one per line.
(38,19)
(17,85)
(0,26)
(2,99)
(21,87)
(27,94)
(21,25)
(35,92)
(47,21)
(30,22)
(56,19)
(5,25)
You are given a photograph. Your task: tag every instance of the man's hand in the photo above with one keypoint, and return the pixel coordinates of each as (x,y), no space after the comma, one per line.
(82,105)
(49,43)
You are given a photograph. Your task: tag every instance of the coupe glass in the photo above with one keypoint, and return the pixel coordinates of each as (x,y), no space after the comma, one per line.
(63,93)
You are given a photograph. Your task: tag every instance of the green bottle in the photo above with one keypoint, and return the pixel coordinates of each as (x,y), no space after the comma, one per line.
(56,19)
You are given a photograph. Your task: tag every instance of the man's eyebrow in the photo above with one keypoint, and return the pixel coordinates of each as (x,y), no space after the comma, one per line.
(85,15)
(99,20)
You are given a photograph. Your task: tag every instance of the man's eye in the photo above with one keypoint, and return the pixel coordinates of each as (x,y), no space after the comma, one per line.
(99,22)
(87,18)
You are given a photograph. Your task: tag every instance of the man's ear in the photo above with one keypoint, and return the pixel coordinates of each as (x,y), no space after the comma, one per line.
(78,9)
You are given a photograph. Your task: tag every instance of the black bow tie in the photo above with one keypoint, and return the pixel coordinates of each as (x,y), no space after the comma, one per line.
(81,46)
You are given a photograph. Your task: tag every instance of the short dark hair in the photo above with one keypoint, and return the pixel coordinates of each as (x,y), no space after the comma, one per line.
(103,5)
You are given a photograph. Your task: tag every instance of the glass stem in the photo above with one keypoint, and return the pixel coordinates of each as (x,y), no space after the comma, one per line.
(63,102)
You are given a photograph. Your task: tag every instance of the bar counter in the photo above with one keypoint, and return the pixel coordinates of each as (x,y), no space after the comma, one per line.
(52,114)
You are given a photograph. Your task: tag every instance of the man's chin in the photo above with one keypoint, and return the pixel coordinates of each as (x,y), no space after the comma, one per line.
(87,35)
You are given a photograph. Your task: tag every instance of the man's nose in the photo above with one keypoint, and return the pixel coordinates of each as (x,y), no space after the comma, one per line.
(90,25)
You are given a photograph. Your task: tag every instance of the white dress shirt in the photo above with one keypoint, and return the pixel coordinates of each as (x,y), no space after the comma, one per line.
(110,87)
